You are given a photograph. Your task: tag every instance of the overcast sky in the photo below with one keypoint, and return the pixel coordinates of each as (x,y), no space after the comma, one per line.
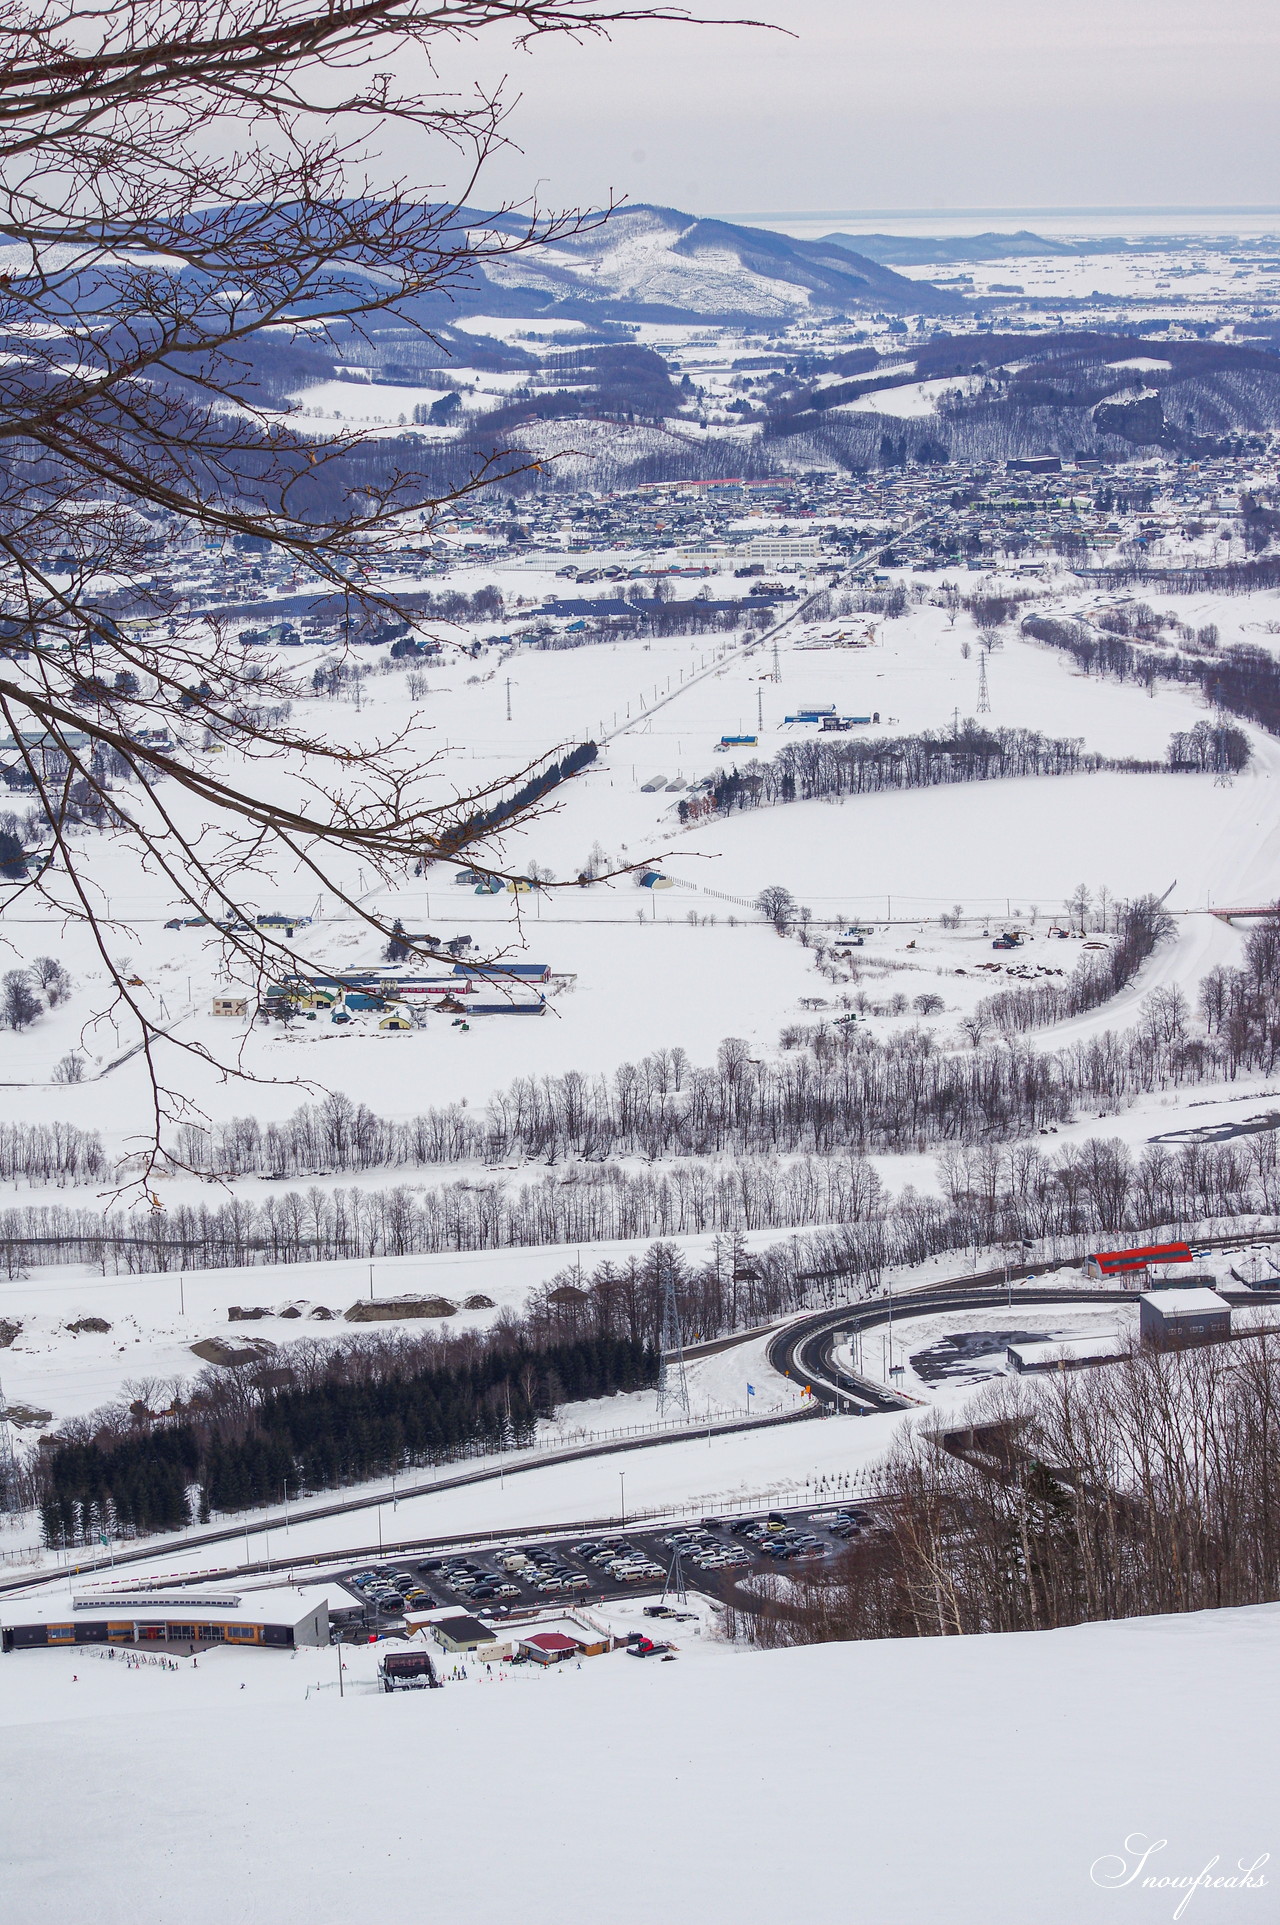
(921,103)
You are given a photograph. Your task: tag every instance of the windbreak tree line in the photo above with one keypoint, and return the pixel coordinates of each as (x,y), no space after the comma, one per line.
(523,798)
(686,617)
(371,1407)
(835,765)
(1243,680)
(55,1153)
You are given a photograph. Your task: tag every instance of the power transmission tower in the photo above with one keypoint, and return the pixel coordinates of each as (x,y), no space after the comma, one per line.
(673,1382)
(777,668)
(8,1463)
(674,1586)
(984,698)
(759,710)
(1222,776)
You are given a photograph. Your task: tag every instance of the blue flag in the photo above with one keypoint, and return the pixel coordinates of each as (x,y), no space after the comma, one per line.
(751,1390)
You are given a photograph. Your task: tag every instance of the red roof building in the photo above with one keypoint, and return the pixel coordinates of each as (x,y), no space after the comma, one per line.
(549,1647)
(1120,1263)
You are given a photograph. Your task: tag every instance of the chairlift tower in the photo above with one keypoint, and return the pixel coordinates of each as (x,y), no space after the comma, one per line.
(673,1382)
(984,698)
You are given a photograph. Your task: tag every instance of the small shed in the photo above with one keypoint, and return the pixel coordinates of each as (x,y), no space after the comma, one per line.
(395,1022)
(1183,1316)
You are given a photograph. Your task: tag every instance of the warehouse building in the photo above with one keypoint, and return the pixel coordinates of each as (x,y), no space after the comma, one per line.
(277,1619)
(1065,1353)
(1183,1316)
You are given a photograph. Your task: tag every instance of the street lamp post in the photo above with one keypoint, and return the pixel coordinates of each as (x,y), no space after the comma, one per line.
(622,1479)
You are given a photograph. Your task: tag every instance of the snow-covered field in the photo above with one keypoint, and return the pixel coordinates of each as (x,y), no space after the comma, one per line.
(645,976)
(984,1781)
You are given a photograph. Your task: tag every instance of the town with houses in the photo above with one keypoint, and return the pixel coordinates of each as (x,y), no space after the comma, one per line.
(826,670)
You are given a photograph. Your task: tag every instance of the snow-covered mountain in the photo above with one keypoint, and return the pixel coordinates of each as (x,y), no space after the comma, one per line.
(655,263)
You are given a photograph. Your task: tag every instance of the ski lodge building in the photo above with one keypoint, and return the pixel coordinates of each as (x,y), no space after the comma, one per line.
(276,1619)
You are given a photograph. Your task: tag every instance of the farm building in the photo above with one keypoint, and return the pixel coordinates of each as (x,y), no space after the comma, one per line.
(1122,1263)
(273,1619)
(1183,1316)
(506,1009)
(230,1005)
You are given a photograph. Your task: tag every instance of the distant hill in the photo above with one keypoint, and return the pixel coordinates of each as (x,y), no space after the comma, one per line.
(656,263)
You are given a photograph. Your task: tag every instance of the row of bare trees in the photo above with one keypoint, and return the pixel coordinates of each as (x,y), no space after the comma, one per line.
(989,1195)
(836,1088)
(1150,1485)
(837,764)
(1242,679)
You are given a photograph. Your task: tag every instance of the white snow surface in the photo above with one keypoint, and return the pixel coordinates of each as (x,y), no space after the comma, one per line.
(980,1781)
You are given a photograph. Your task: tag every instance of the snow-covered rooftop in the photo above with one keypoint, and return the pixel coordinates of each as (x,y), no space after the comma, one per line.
(1184,1303)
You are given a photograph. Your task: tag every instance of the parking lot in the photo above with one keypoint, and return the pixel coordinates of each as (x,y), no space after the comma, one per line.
(506,1578)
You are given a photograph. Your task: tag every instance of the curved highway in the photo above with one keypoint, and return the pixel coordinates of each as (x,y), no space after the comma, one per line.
(803,1352)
